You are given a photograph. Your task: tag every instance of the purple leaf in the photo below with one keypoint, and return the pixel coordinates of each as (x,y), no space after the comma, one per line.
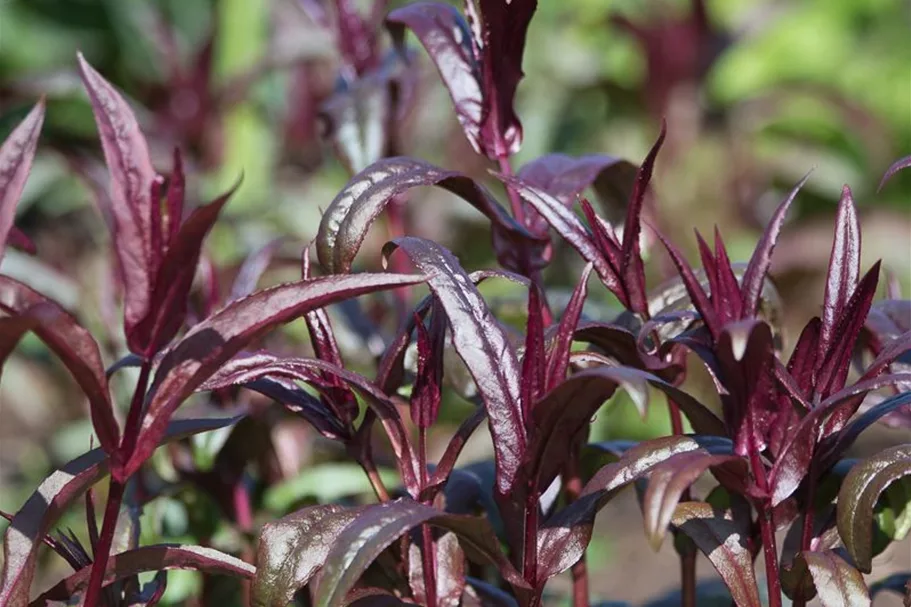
(858,495)
(725,542)
(253,269)
(76,348)
(451,455)
(425,395)
(12,329)
(504,27)
(448,40)
(215,340)
(53,497)
(844,269)
(755,275)
(482,343)
(449,561)
(566,177)
(666,484)
(558,356)
(836,362)
(898,165)
(171,287)
(838,584)
(693,288)
(563,538)
(378,526)
(150,558)
(533,360)
(567,225)
(127,155)
(293,548)
(16,155)
(622,346)
(345,223)
(630,256)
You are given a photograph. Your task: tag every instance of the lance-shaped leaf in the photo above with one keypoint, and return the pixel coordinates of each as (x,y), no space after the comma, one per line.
(844,269)
(76,348)
(171,288)
(253,268)
(253,368)
(858,496)
(563,538)
(448,40)
(898,165)
(755,275)
(293,548)
(16,155)
(449,562)
(666,484)
(567,225)
(215,340)
(426,395)
(849,434)
(378,526)
(53,497)
(482,344)
(127,155)
(838,584)
(558,356)
(533,359)
(345,223)
(150,558)
(694,289)
(725,542)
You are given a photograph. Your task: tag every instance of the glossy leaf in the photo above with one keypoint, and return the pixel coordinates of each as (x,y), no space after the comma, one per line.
(533,358)
(53,497)
(127,155)
(215,340)
(755,275)
(379,526)
(150,558)
(481,342)
(558,356)
(566,177)
(694,289)
(293,548)
(724,541)
(76,348)
(838,584)
(345,222)
(171,287)
(448,39)
(844,268)
(898,165)
(666,484)
(16,155)
(858,496)
(449,569)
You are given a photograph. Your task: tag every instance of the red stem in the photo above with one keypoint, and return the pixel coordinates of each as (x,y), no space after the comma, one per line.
(688,578)
(515,202)
(572,490)
(117,486)
(530,547)
(427,549)
(806,536)
(767,530)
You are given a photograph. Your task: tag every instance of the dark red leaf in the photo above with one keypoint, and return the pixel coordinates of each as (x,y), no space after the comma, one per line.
(838,583)
(449,563)
(802,364)
(345,223)
(482,343)
(566,177)
(693,288)
(724,541)
(16,155)
(898,165)
(76,348)
(726,293)
(558,355)
(630,256)
(567,225)
(380,525)
(53,497)
(836,361)
(150,558)
(171,288)
(844,269)
(12,329)
(755,275)
(215,340)
(127,155)
(293,548)
(449,458)
(448,40)
(533,360)
(253,269)
(666,484)
(425,395)
(863,421)
(504,27)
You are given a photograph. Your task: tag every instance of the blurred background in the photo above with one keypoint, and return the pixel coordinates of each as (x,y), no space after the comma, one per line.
(756,93)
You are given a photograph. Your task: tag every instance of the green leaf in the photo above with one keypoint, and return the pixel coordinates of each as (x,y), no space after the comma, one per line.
(326,483)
